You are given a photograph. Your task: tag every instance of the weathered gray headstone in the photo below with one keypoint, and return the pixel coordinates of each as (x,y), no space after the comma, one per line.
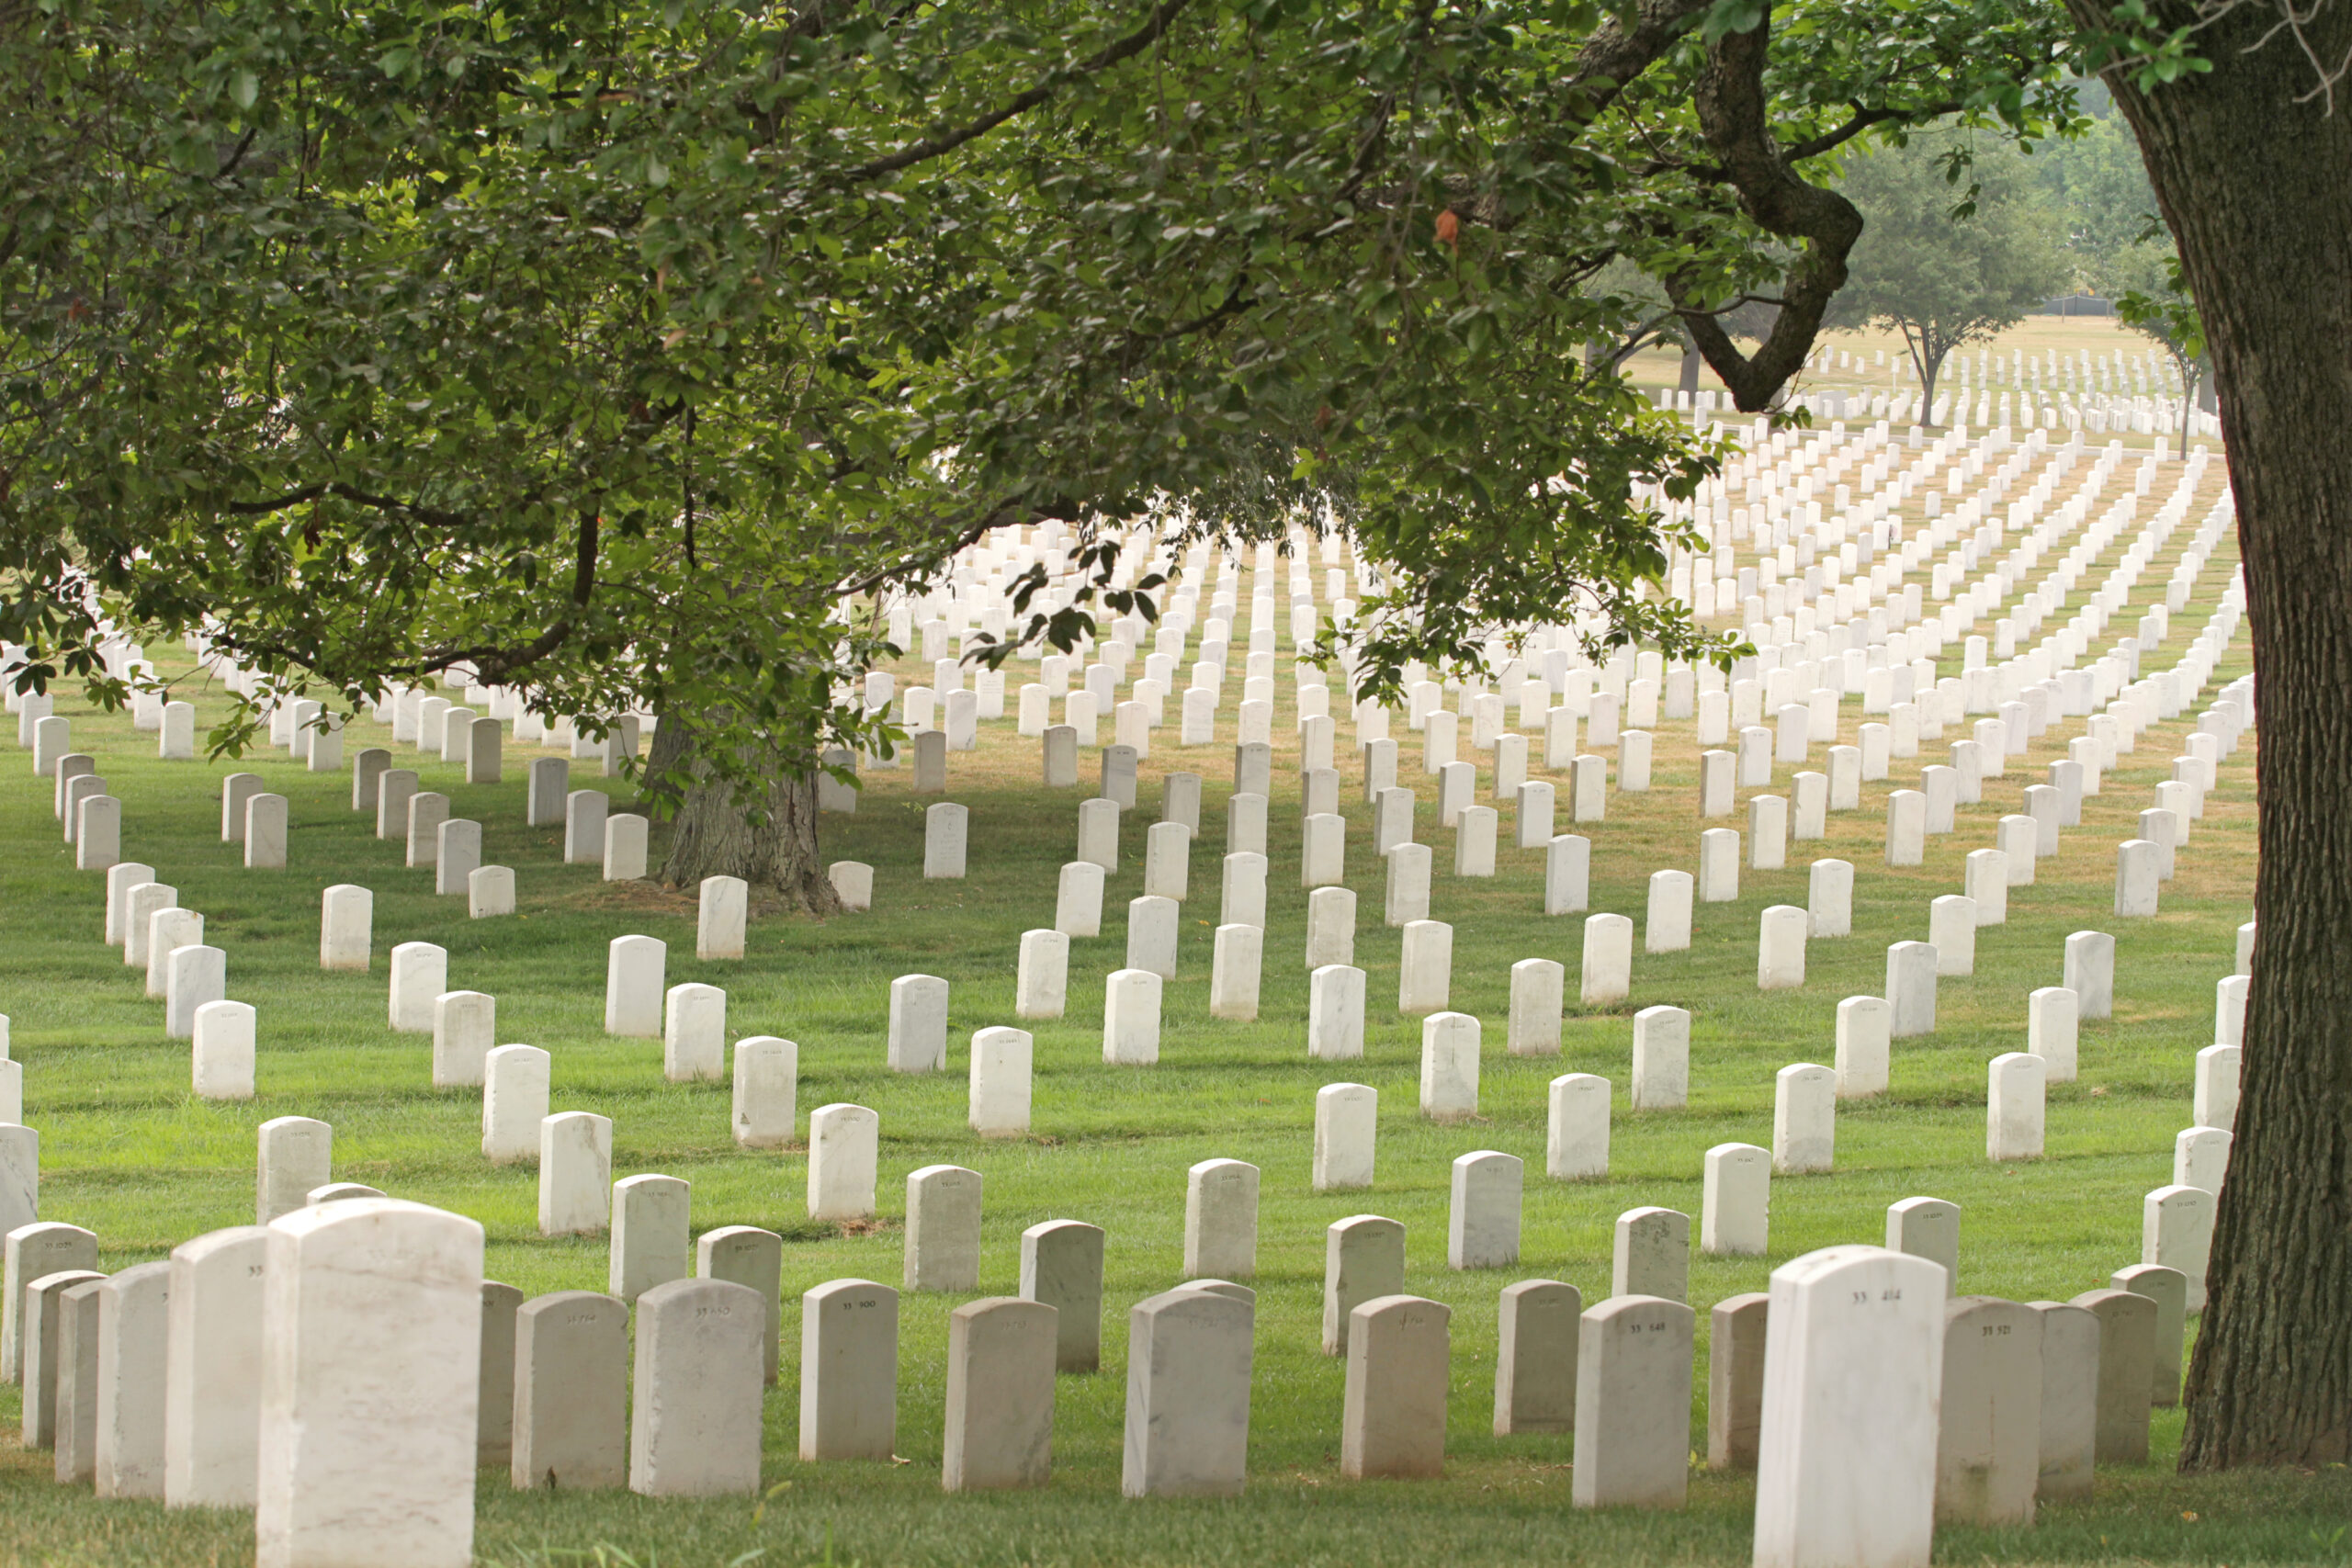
(942,1246)
(2168,1287)
(2127,1353)
(1633,1365)
(1061,1265)
(1393,1420)
(494,1428)
(695,1422)
(1483,1219)
(1189,1357)
(1988,1449)
(49,1302)
(1363,1256)
(650,1219)
(1221,1219)
(1652,1254)
(1930,1228)
(1736,1380)
(213,1367)
(133,1337)
(1535,1358)
(2069,1439)
(1000,1415)
(571,1393)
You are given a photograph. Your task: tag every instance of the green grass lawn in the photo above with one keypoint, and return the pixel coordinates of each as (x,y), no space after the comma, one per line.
(130,1154)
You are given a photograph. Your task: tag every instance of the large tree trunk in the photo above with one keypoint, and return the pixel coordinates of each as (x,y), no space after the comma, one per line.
(2257,189)
(714,835)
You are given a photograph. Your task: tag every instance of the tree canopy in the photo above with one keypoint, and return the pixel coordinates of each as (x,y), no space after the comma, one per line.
(1956,248)
(604,347)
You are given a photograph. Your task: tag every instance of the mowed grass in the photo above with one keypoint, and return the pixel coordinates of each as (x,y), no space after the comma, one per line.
(127,1152)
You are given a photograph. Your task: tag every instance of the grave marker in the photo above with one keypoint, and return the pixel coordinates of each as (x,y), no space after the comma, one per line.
(575,1173)
(1188,1396)
(1988,1446)
(1633,1361)
(2168,1287)
(1061,1265)
(1930,1228)
(1221,1219)
(1736,1380)
(2176,1231)
(845,1151)
(625,847)
(1667,926)
(494,1434)
(2127,1350)
(695,1427)
(570,1413)
(1449,1066)
(2090,973)
(2069,1426)
(633,990)
(1131,1018)
(129,1377)
(420,976)
(1364,1257)
(722,916)
(222,1051)
(1846,1452)
(1000,1413)
(1652,1254)
(650,1215)
(1346,1134)
(1735,1200)
(465,1029)
(2013,1106)
(918,1023)
(1392,1419)
(585,816)
(1483,1219)
(849,1371)
(514,1103)
(943,1249)
(213,1367)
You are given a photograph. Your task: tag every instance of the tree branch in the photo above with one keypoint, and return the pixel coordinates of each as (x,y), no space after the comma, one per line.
(1154,25)
(1814,147)
(583,574)
(1732,110)
(352,494)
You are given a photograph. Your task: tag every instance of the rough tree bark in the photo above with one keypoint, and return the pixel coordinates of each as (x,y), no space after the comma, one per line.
(713,833)
(2257,189)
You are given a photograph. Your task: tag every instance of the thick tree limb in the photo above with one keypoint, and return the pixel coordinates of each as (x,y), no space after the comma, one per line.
(1616,53)
(1733,108)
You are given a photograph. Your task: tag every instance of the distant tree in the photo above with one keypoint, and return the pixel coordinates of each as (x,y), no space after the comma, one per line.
(1951,251)
(2152,297)
(2096,189)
